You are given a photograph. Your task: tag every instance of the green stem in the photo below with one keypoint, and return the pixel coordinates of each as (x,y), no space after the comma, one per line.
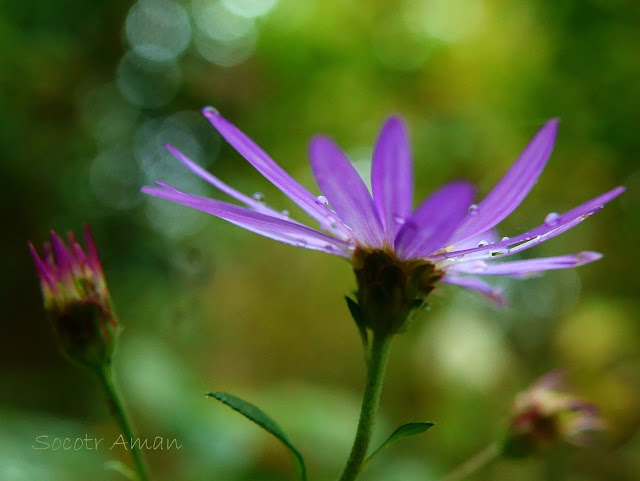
(473,464)
(117,407)
(376,363)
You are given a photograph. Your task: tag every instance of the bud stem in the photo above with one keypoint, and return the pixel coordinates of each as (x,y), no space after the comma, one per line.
(105,373)
(473,464)
(376,364)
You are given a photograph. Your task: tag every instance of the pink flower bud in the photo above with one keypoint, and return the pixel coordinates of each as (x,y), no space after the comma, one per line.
(76,299)
(544,415)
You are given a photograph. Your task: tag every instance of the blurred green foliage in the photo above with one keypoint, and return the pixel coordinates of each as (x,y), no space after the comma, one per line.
(88,101)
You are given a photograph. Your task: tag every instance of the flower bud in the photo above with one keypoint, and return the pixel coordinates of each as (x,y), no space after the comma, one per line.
(543,415)
(76,299)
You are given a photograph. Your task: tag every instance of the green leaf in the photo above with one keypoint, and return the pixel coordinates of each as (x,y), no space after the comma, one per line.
(354,309)
(404,431)
(258,416)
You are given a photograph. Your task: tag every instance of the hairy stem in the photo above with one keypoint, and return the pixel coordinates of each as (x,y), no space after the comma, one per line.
(114,399)
(376,364)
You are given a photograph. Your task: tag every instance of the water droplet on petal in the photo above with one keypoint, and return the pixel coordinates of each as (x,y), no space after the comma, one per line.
(499,252)
(505,238)
(473,209)
(211,109)
(331,219)
(552,219)
(483,243)
(258,196)
(329,248)
(399,220)
(285,213)
(323,200)
(301,243)
(352,247)
(478,265)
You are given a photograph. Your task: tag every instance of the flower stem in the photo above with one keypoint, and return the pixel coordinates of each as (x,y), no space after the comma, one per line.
(376,364)
(473,464)
(105,373)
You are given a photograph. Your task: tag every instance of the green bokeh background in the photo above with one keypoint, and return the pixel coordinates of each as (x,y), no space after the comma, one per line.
(208,306)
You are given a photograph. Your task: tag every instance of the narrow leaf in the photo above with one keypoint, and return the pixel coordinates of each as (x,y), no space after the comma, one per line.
(258,416)
(354,309)
(404,431)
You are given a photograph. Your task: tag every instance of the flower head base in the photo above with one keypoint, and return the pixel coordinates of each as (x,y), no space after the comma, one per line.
(543,416)
(390,289)
(76,299)
(447,230)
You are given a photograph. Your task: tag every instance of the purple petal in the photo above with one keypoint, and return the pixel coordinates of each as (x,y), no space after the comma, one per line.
(530,266)
(63,259)
(494,294)
(536,235)
(433,222)
(345,191)
(92,253)
(200,172)
(488,237)
(392,177)
(79,257)
(552,380)
(47,279)
(275,228)
(269,169)
(513,187)
(47,258)
(270,212)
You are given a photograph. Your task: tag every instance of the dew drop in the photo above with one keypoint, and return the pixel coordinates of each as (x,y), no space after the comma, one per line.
(552,218)
(483,243)
(473,209)
(285,213)
(211,109)
(301,242)
(322,200)
(329,248)
(258,196)
(399,220)
(505,238)
(478,265)
(332,220)
(499,252)
(351,247)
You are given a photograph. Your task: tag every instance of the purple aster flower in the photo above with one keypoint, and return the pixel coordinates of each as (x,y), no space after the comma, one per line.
(447,232)
(77,300)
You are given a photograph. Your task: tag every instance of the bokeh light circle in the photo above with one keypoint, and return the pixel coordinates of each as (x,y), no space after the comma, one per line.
(158,30)
(146,83)
(250,8)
